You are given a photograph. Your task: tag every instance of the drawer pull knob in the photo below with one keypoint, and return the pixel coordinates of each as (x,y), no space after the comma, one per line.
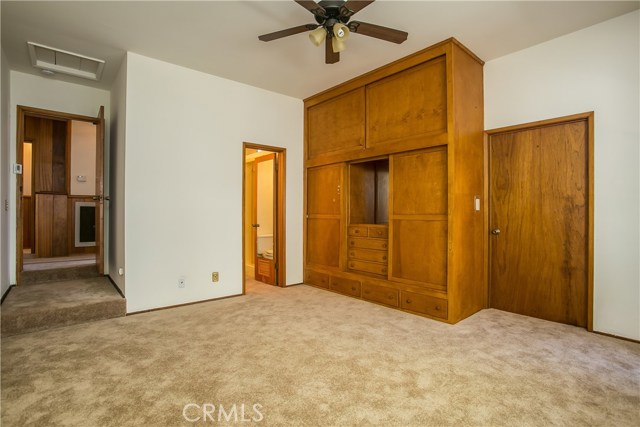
(437,308)
(351,242)
(384,245)
(357,231)
(352,254)
(351,265)
(353,288)
(384,258)
(408,301)
(384,270)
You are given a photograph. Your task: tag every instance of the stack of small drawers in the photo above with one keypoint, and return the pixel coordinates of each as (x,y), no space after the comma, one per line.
(368,248)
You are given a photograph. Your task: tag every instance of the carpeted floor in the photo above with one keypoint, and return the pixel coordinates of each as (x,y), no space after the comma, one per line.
(29,308)
(308,357)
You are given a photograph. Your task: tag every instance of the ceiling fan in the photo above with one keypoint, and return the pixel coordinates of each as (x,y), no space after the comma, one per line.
(334,25)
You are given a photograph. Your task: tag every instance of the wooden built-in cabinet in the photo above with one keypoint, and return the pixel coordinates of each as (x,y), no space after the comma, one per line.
(394,163)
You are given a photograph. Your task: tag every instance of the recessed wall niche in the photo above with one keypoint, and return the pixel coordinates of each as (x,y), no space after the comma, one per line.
(369,192)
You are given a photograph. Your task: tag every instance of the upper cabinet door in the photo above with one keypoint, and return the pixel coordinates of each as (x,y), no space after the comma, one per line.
(336,126)
(409,105)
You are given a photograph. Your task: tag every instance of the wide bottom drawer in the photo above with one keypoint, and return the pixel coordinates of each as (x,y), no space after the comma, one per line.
(345,286)
(424,304)
(316,279)
(380,294)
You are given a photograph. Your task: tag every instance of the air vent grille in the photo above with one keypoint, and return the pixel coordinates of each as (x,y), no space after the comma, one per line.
(62,61)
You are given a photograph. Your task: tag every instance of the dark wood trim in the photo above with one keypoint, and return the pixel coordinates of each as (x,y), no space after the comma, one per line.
(20,115)
(4,296)
(114,285)
(55,115)
(67,159)
(182,305)
(281,258)
(99,190)
(616,337)
(589,118)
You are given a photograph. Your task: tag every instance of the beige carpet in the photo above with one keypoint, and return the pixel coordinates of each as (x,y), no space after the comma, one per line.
(29,308)
(313,358)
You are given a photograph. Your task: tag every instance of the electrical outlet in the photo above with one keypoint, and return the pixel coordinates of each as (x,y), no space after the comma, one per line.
(215,276)
(182,282)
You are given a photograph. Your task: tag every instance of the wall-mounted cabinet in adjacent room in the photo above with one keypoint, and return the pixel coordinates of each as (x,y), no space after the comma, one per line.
(407,140)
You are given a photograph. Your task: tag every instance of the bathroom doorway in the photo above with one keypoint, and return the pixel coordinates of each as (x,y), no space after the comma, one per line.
(263,214)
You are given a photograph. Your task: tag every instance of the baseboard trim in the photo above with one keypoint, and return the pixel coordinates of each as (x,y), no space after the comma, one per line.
(6,293)
(617,337)
(114,285)
(182,305)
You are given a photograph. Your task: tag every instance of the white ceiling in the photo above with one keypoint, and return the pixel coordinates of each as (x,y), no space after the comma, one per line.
(221,37)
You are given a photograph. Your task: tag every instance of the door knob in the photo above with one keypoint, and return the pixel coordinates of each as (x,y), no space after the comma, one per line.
(255,225)
(495,231)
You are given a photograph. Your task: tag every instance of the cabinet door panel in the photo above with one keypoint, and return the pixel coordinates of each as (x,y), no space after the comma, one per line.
(420,183)
(345,113)
(420,251)
(323,190)
(323,242)
(409,104)
(419,228)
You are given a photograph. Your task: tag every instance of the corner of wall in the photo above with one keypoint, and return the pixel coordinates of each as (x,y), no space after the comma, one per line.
(117,177)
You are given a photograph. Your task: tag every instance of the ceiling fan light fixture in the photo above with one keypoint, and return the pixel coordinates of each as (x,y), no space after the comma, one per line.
(318,35)
(340,31)
(338,45)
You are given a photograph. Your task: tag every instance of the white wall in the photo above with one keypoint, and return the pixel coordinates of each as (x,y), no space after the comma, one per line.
(34,91)
(595,69)
(116,184)
(183,187)
(83,158)
(4,174)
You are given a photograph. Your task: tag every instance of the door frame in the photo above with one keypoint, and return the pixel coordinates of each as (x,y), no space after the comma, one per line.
(280,158)
(22,112)
(587,117)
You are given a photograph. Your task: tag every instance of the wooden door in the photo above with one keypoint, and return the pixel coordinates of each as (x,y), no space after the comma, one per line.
(100,191)
(539,188)
(324,207)
(418,218)
(265,217)
(345,112)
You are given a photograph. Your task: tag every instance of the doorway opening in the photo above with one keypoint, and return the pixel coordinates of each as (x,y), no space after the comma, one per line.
(263,215)
(59,206)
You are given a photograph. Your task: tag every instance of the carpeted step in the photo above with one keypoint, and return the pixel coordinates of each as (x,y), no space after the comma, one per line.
(58,274)
(57,304)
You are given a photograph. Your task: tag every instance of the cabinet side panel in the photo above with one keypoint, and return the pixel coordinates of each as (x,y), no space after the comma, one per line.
(467,283)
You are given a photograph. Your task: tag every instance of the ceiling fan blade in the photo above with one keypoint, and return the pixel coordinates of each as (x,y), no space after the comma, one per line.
(378,31)
(312,7)
(353,6)
(287,32)
(330,57)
